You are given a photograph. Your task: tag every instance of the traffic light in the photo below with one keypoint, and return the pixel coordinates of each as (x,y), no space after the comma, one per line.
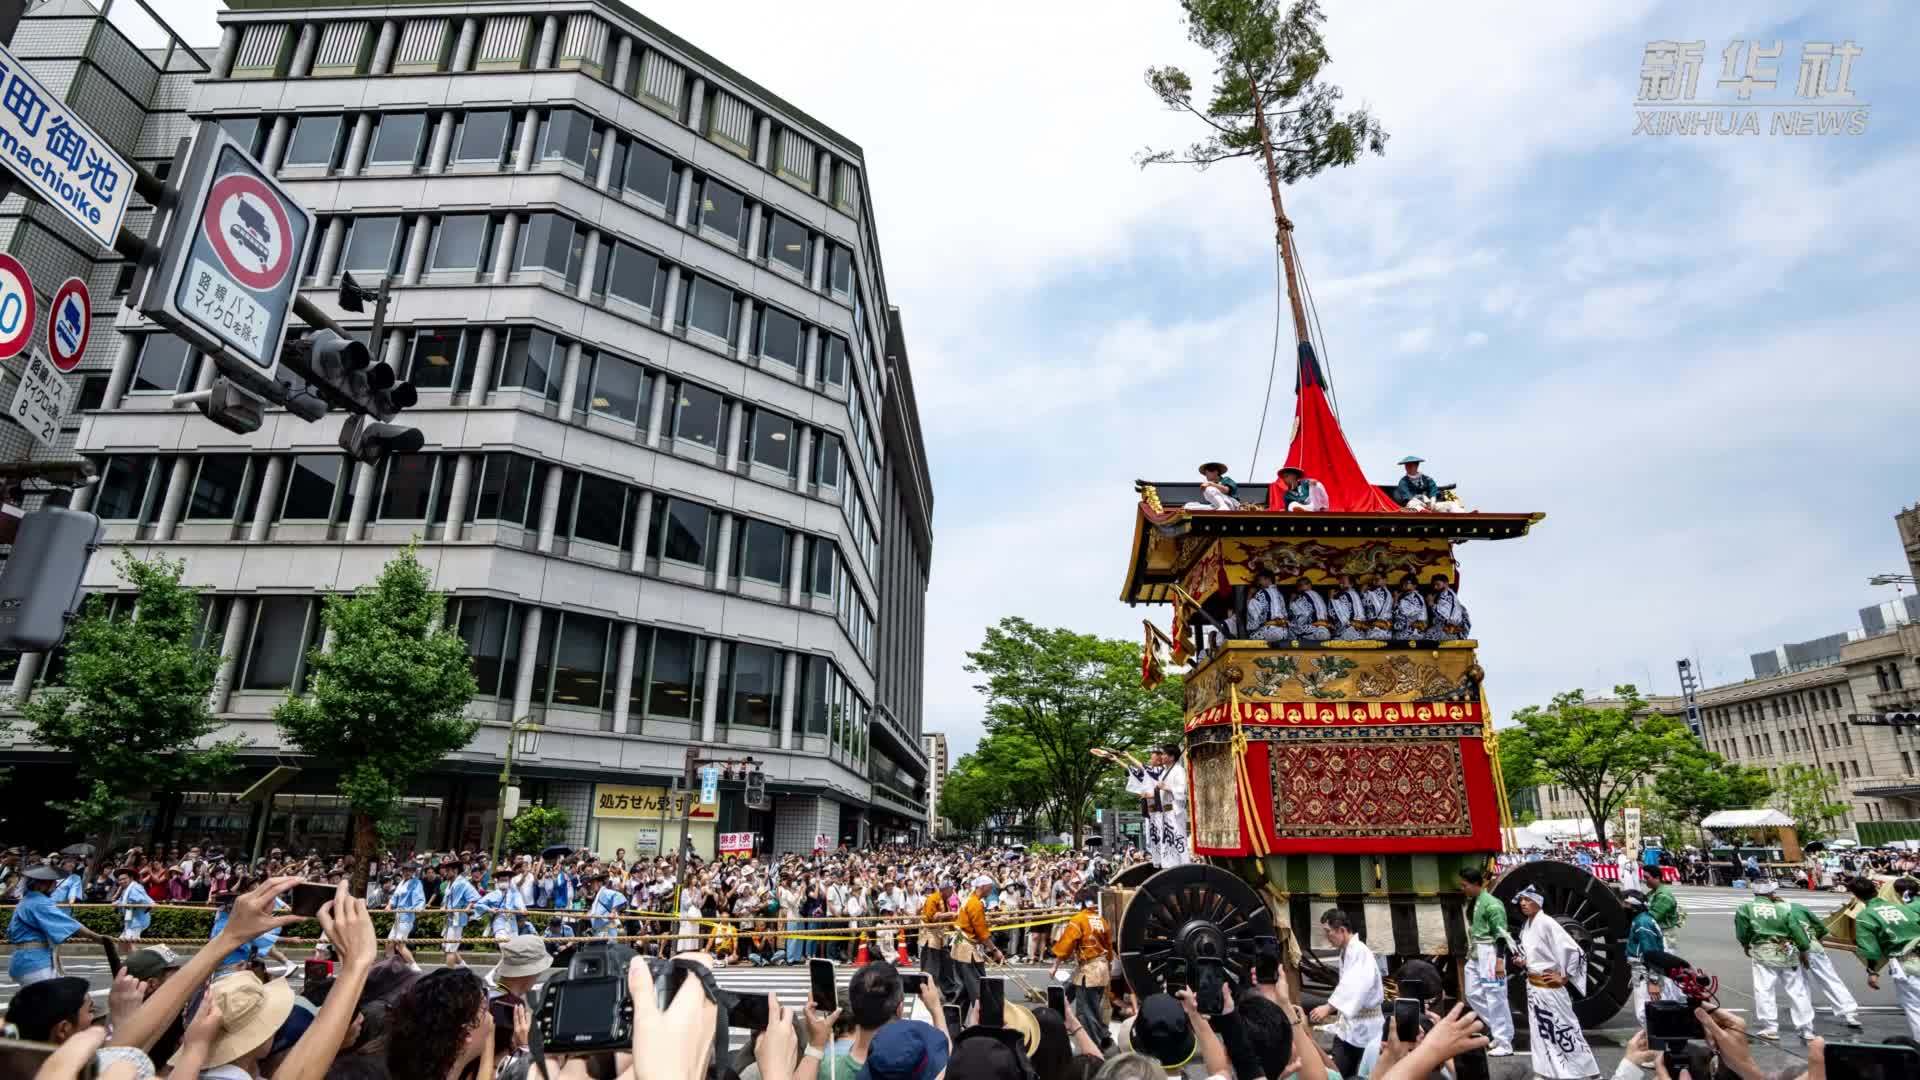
(40,589)
(342,372)
(756,796)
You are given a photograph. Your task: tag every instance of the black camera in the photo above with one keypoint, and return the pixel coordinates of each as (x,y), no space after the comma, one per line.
(585,1009)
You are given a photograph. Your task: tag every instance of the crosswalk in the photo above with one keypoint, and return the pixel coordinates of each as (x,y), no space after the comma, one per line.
(1727,901)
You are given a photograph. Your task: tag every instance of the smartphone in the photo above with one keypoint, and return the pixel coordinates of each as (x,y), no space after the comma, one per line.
(912,981)
(1057,998)
(1406,1019)
(1671,1022)
(749,1011)
(820,980)
(952,1012)
(1471,1065)
(1871,1061)
(993,1002)
(306,898)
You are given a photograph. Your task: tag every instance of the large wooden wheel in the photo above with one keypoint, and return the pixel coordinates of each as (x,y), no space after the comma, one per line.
(1133,876)
(1593,914)
(1187,920)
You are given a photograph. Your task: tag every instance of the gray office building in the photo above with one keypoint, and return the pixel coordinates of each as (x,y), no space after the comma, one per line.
(674,482)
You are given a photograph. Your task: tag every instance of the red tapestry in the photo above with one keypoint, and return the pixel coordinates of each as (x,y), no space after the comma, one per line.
(1410,788)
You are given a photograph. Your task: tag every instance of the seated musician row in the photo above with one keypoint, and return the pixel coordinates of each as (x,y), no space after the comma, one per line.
(1293,489)
(1294,610)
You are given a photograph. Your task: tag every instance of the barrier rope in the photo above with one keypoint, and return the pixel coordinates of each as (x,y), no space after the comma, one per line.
(1257,839)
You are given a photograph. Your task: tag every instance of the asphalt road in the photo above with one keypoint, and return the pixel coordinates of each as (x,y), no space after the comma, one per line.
(1706,941)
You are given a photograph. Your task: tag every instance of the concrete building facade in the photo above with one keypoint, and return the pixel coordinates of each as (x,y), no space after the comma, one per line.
(674,482)
(935,745)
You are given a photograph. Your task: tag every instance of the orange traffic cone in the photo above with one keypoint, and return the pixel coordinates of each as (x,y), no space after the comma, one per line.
(860,958)
(901,958)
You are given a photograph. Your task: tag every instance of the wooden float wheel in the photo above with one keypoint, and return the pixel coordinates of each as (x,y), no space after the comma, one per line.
(1186,925)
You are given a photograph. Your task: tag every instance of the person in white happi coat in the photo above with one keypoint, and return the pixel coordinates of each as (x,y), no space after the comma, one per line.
(1379,609)
(1628,863)
(689,940)
(1409,611)
(1267,610)
(1449,621)
(1354,1007)
(1349,611)
(1307,615)
(1162,783)
(1554,962)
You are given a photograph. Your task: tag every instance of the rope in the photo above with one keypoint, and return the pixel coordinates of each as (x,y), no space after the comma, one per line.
(1242,781)
(1273,363)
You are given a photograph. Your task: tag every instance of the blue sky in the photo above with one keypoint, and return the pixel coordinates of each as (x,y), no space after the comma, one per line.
(1694,354)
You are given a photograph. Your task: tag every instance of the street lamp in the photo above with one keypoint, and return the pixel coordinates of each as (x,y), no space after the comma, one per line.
(526,733)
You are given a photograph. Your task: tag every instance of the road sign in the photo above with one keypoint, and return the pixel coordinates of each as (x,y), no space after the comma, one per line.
(229,263)
(59,157)
(69,324)
(1632,823)
(736,843)
(41,398)
(17,306)
(709,783)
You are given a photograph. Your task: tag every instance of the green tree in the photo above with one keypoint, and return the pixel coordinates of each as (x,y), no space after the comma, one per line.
(1600,754)
(1519,769)
(1068,693)
(387,700)
(1696,782)
(134,712)
(967,800)
(535,828)
(1267,99)
(1807,794)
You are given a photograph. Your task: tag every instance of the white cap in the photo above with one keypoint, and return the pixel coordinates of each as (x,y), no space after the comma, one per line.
(1764,886)
(982,880)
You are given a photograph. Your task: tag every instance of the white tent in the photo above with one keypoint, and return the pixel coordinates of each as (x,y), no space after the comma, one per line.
(1562,830)
(1763,818)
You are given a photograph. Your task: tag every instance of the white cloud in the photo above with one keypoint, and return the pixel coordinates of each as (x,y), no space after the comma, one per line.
(1474,339)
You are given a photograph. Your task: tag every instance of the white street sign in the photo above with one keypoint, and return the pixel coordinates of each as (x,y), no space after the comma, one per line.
(41,398)
(58,156)
(709,784)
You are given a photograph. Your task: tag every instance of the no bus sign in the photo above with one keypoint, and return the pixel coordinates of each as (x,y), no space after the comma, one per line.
(69,324)
(17,307)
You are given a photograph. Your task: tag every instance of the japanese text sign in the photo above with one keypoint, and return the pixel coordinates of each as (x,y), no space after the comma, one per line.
(58,156)
(41,398)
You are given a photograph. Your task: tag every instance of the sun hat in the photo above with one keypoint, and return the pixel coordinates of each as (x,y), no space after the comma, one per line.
(525,954)
(251,1013)
(1411,459)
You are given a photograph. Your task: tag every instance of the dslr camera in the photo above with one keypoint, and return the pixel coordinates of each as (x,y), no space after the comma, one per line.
(585,1008)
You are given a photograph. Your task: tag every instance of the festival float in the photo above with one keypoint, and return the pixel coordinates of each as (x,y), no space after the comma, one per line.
(1359,774)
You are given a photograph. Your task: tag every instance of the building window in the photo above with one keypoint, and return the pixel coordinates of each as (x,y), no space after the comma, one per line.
(754,685)
(826,460)
(635,276)
(710,308)
(249,131)
(165,365)
(1893,672)
(698,414)
(461,243)
(93,392)
(760,552)
(440,357)
(567,135)
(492,633)
(533,362)
(833,360)
(550,242)
(124,487)
(315,142)
(723,211)
(372,247)
(280,631)
(788,242)
(620,389)
(840,271)
(314,488)
(218,488)
(406,488)
(780,337)
(601,512)
(821,579)
(579,661)
(675,675)
(399,139)
(507,490)
(681,532)
(482,137)
(650,175)
(771,441)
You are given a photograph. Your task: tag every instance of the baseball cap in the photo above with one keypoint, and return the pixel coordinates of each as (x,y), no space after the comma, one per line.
(152,962)
(905,1050)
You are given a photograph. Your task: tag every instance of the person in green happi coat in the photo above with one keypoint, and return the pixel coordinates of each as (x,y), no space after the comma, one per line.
(1777,946)
(1886,934)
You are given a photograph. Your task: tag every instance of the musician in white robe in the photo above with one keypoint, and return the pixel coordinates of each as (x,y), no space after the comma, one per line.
(1354,1007)
(1410,615)
(1449,615)
(1307,616)
(1267,610)
(1162,782)
(1554,962)
(1379,609)
(1348,609)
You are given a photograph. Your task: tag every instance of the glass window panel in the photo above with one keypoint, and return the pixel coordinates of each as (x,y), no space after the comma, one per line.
(823,559)
(788,242)
(620,388)
(459,240)
(217,486)
(484,623)
(697,415)
(249,131)
(841,270)
(407,491)
(637,689)
(532,361)
(755,689)
(580,662)
(398,139)
(780,337)
(435,356)
(826,460)
(683,532)
(602,514)
(370,245)
(723,210)
(279,637)
(763,551)
(820,676)
(565,134)
(833,360)
(673,688)
(549,242)
(164,363)
(773,439)
(123,487)
(543,654)
(313,142)
(313,487)
(710,308)
(634,276)
(650,174)
(483,136)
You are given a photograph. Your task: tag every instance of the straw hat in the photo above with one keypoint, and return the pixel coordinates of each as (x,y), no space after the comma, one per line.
(250,1013)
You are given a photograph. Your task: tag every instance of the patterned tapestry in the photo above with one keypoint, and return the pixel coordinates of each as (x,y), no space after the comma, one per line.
(1216,805)
(1404,788)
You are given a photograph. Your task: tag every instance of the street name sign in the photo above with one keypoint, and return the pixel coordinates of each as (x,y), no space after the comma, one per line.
(59,157)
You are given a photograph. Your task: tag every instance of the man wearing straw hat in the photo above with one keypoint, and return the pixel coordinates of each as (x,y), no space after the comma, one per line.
(1218,491)
(1554,962)
(251,1013)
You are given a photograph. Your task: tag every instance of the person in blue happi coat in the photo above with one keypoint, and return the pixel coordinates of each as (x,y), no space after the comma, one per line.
(38,926)
(135,906)
(463,892)
(407,900)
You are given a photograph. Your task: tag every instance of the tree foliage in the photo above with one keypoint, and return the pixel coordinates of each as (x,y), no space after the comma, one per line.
(1696,782)
(386,701)
(1066,693)
(535,828)
(1808,795)
(1600,754)
(1277,50)
(133,714)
